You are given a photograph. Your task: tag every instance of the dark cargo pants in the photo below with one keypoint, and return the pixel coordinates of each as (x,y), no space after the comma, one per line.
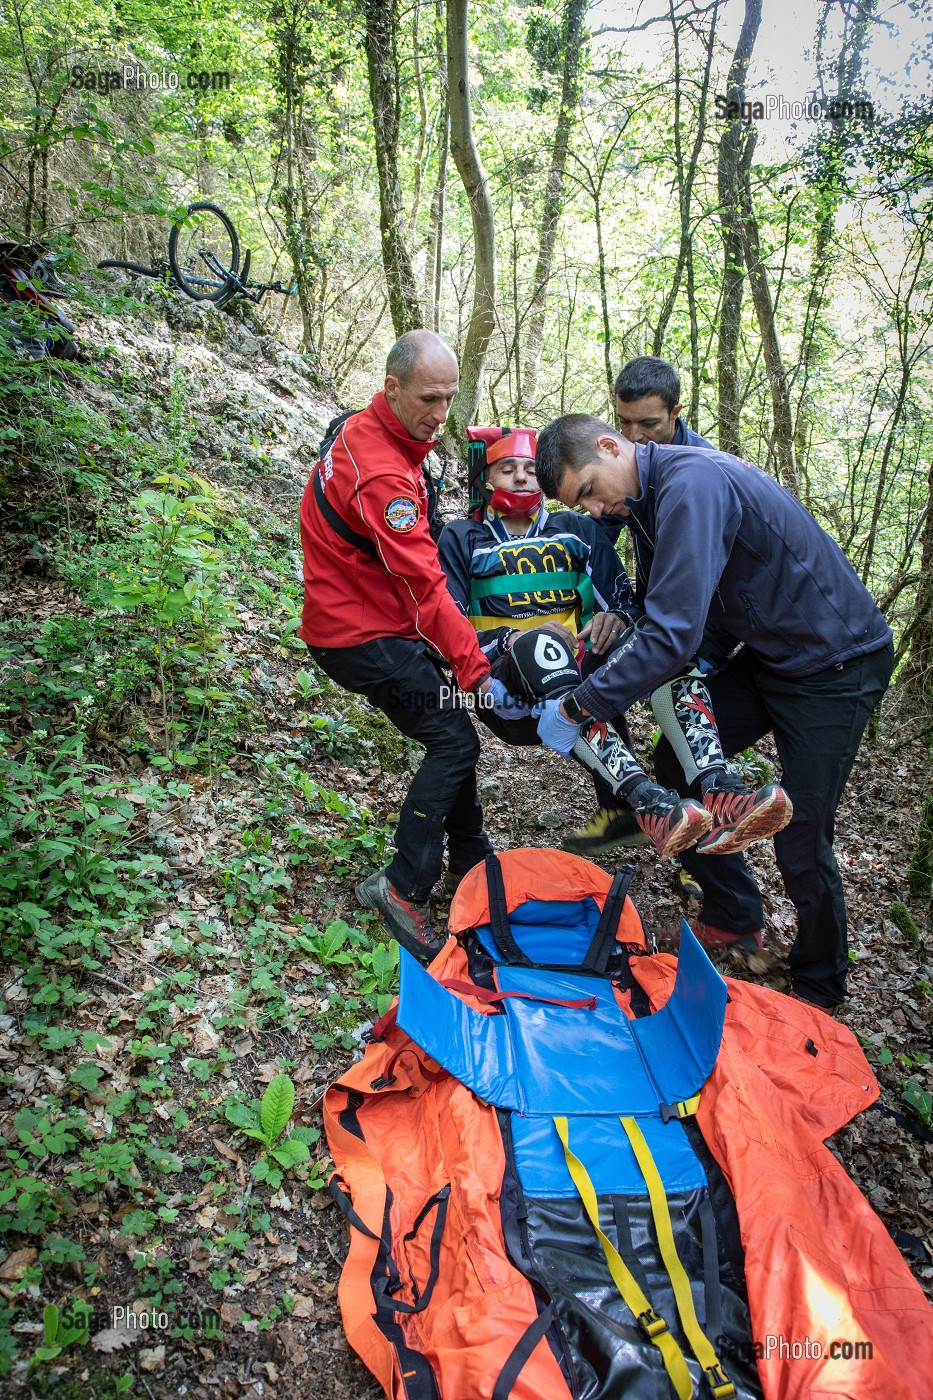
(817,722)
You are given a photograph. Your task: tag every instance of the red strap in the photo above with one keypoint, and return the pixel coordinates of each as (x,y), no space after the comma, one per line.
(388,1077)
(487,997)
(385,1023)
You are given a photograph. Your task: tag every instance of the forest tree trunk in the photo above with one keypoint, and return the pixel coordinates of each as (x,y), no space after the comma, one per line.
(735,153)
(553,201)
(829,184)
(771,346)
(288,40)
(685,175)
(384,91)
(917,679)
(435,259)
(476,184)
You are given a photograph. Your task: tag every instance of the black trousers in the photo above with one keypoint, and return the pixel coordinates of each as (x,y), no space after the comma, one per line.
(403,679)
(817,722)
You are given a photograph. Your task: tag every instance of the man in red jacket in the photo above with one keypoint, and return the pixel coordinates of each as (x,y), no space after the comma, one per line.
(378,619)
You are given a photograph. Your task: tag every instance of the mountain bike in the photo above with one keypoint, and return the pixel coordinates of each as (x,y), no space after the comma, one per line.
(28,320)
(204,260)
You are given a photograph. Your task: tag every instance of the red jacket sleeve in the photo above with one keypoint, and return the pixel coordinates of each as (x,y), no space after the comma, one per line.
(393,515)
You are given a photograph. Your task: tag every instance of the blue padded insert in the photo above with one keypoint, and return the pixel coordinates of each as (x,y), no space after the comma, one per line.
(476,1049)
(570,1061)
(605,1151)
(549,930)
(539,1058)
(681,1041)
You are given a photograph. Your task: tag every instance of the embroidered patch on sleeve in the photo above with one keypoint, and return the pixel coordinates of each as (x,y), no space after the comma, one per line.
(402,514)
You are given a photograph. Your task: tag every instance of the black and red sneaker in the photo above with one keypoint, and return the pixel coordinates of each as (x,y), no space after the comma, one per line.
(407,922)
(741,816)
(670,822)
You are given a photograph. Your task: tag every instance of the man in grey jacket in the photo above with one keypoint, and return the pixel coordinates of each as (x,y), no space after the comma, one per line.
(725,556)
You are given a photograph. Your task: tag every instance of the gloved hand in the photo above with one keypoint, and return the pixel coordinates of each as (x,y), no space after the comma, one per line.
(504,703)
(558,733)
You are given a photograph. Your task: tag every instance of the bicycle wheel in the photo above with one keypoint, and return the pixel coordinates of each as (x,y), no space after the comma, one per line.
(130,267)
(204,252)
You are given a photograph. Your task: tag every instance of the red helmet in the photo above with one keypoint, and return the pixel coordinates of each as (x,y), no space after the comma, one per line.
(520,442)
(493,444)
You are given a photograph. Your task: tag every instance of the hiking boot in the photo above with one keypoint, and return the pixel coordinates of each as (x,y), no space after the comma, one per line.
(831,1010)
(409,923)
(687,885)
(670,822)
(716,940)
(745,949)
(610,827)
(741,816)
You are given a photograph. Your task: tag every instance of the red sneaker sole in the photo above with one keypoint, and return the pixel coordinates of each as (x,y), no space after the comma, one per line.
(695,822)
(766,820)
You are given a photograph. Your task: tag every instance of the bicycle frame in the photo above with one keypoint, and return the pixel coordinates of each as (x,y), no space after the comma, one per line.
(240,285)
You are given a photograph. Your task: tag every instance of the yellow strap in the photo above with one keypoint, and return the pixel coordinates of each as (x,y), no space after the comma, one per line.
(719,1383)
(482,623)
(653,1325)
(688,1107)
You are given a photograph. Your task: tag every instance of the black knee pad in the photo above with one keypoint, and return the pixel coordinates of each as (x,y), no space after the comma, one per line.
(545,663)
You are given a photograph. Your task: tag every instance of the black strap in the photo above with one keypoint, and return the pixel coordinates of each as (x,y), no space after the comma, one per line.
(332,431)
(907,1124)
(910,1244)
(337,522)
(712,1295)
(385,1287)
(338,1189)
(597,955)
(626,1245)
(521,1352)
(499,914)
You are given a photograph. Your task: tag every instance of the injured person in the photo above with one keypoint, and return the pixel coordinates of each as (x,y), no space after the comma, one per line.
(550,602)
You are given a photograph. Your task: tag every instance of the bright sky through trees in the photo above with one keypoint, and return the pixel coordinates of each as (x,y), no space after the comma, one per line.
(898,60)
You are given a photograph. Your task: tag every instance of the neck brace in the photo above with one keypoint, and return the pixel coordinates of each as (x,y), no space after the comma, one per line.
(517,503)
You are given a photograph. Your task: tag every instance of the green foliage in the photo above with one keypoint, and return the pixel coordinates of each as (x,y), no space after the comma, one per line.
(342,946)
(275,1111)
(919,1099)
(754,768)
(65,877)
(59,1333)
(902,919)
(172,584)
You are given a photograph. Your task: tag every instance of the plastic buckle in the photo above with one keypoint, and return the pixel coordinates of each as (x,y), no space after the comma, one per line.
(382,1082)
(719,1383)
(685,1109)
(651,1323)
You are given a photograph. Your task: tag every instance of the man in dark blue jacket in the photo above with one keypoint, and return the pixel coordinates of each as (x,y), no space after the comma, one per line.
(726,556)
(648,408)
(648,404)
